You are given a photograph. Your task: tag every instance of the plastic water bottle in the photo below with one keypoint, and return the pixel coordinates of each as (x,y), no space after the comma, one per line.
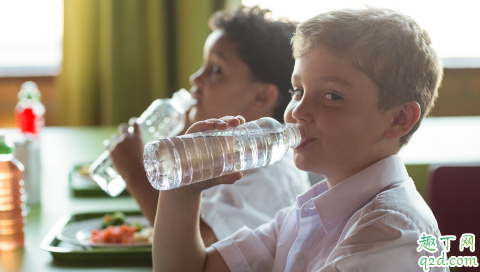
(27,151)
(163,118)
(29,113)
(183,160)
(12,217)
(29,110)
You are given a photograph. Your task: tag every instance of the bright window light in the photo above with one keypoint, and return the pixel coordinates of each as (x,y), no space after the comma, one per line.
(30,37)
(453,25)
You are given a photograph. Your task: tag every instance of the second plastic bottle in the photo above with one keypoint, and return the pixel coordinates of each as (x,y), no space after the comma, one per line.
(12,217)
(163,118)
(29,110)
(183,160)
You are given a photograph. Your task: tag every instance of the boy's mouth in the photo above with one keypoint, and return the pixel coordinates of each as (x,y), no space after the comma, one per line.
(196,95)
(305,139)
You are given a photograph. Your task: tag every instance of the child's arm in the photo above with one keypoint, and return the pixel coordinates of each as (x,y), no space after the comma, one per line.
(177,244)
(126,153)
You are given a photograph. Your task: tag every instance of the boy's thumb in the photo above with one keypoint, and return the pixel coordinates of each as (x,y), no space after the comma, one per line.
(133,123)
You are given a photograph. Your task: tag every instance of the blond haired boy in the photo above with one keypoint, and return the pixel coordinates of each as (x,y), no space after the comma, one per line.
(363,81)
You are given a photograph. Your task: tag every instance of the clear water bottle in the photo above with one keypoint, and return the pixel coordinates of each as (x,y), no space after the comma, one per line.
(12,217)
(163,118)
(29,113)
(29,110)
(183,160)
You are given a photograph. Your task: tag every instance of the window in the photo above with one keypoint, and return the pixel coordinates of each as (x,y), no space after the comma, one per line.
(30,37)
(453,25)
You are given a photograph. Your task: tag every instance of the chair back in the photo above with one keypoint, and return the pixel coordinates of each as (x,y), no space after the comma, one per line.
(454,197)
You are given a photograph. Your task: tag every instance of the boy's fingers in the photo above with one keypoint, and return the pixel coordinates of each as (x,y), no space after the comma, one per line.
(229,179)
(132,121)
(114,138)
(123,128)
(241,118)
(200,126)
(209,124)
(220,124)
(234,121)
(133,127)
(207,184)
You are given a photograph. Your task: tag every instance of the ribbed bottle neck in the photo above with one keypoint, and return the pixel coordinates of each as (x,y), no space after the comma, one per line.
(293,134)
(184,99)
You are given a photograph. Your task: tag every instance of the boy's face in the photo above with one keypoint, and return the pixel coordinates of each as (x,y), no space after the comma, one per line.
(223,85)
(337,105)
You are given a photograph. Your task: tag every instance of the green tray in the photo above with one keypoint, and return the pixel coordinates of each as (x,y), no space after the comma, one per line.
(63,252)
(83,186)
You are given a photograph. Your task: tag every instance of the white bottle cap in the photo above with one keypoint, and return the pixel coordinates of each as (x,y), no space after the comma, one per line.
(29,90)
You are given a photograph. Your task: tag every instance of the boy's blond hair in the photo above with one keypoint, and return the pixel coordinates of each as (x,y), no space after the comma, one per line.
(388,46)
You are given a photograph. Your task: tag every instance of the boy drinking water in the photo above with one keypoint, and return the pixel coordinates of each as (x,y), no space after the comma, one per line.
(246,68)
(363,81)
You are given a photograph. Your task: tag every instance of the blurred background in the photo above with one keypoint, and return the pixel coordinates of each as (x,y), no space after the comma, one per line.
(99,62)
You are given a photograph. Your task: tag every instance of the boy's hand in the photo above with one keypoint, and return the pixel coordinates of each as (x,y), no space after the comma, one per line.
(219,124)
(126,151)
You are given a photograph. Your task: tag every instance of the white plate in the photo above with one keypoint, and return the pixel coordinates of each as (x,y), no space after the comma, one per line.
(79,232)
(83,236)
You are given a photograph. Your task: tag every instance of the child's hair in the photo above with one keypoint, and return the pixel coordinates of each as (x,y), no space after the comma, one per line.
(388,46)
(264,45)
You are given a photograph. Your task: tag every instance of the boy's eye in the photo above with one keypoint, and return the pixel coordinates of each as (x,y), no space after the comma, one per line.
(332,96)
(296,93)
(216,69)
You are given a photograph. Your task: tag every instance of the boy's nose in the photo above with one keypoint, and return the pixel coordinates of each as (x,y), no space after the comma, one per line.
(302,111)
(195,78)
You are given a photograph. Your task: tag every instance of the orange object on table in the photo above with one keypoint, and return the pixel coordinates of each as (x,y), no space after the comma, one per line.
(114,234)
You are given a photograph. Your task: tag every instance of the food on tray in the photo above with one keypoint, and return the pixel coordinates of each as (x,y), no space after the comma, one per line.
(114,219)
(115,229)
(145,235)
(114,234)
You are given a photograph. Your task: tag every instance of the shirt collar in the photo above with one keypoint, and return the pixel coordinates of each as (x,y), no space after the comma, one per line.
(337,203)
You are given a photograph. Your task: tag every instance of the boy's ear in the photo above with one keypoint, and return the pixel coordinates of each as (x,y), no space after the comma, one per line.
(265,97)
(404,118)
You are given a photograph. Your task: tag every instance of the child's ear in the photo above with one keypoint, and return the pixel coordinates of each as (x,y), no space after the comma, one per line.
(265,97)
(404,118)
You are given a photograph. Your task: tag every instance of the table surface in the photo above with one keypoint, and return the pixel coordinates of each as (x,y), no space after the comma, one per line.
(61,149)
(439,140)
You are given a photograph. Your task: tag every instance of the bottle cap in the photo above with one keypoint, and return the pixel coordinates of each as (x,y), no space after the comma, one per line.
(29,90)
(6,146)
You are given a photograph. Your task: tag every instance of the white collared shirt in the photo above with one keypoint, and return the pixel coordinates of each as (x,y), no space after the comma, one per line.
(254,199)
(369,222)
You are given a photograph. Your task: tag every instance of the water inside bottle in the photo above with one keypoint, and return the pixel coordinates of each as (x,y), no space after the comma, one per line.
(183,160)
